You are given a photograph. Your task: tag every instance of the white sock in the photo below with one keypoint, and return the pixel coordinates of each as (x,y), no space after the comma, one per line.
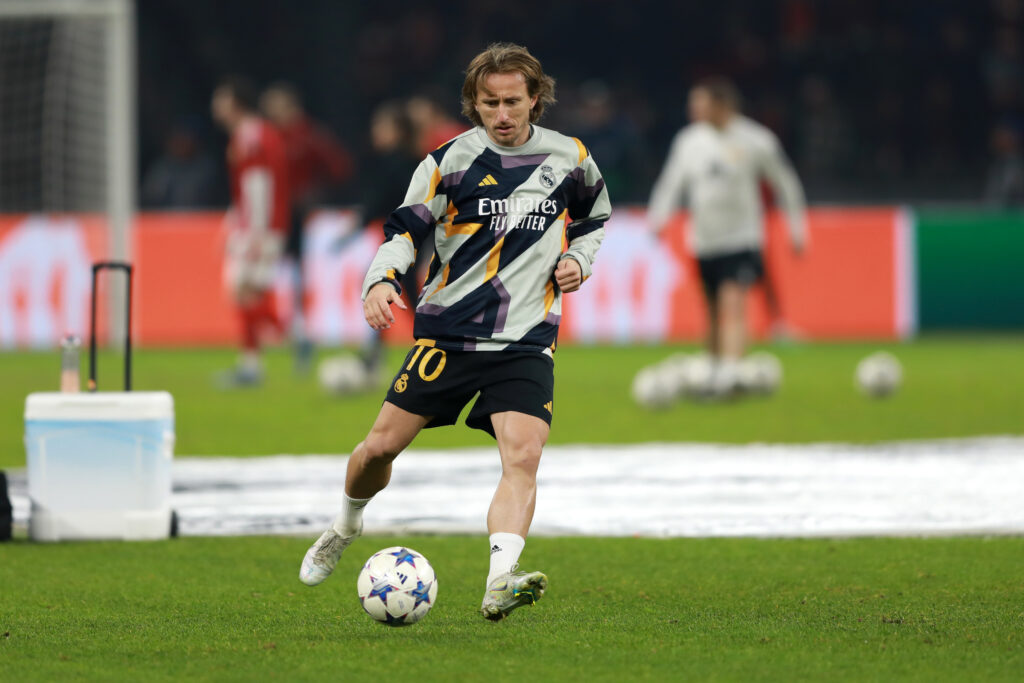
(349,520)
(505,551)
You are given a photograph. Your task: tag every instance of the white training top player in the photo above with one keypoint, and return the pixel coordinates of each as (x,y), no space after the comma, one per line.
(717,162)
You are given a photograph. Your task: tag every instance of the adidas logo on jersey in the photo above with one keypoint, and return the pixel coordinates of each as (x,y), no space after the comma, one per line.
(549,407)
(488,180)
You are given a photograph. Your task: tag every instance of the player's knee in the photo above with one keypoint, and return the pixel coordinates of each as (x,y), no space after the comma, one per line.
(381,446)
(522,454)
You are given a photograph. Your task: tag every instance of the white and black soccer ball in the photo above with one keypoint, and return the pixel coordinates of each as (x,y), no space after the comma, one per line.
(674,367)
(397,586)
(878,375)
(655,388)
(760,373)
(697,376)
(343,375)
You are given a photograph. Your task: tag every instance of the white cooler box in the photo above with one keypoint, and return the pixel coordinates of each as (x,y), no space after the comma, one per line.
(99,465)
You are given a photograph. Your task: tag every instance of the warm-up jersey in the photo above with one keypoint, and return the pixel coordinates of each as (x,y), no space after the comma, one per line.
(720,171)
(259,176)
(498,217)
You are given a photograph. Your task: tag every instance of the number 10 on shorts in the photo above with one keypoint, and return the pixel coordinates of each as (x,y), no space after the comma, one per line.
(426,374)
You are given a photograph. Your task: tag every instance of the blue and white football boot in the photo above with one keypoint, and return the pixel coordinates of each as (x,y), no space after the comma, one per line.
(322,557)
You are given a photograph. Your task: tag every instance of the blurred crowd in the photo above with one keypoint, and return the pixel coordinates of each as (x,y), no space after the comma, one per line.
(918,100)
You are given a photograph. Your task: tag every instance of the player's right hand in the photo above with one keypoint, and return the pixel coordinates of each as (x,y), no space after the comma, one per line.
(377,306)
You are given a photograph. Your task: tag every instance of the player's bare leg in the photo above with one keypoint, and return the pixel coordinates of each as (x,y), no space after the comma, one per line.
(248,370)
(369,470)
(369,467)
(732,335)
(714,338)
(521,439)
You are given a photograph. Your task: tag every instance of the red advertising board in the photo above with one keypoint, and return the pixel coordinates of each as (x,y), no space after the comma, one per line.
(853,282)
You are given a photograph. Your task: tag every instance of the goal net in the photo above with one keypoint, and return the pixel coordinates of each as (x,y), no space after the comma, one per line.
(67,122)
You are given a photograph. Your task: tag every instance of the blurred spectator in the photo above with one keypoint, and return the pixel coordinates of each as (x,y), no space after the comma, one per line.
(613,140)
(391,164)
(317,163)
(823,133)
(863,91)
(432,126)
(1004,68)
(1005,185)
(384,179)
(186,176)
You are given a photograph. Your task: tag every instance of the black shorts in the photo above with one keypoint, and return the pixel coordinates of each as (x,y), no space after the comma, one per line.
(743,267)
(440,383)
(296,236)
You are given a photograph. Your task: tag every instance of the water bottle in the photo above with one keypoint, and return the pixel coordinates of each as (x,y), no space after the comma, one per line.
(69,346)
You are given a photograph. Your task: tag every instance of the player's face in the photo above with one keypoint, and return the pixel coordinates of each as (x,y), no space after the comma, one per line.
(504,105)
(701,105)
(221,106)
(275,107)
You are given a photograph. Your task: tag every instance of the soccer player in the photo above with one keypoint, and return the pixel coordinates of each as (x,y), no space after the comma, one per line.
(317,162)
(382,188)
(497,201)
(257,221)
(718,160)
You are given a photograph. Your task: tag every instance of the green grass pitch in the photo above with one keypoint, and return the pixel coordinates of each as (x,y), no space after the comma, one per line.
(954,386)
(617,609)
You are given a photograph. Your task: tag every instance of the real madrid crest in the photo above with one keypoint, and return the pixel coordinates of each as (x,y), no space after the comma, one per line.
(547,176)
(401,383)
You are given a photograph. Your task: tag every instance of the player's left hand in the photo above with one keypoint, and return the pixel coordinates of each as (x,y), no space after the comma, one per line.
(569,275)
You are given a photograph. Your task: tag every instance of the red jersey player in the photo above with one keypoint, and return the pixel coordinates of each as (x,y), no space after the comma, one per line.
(258,220)
(317,163)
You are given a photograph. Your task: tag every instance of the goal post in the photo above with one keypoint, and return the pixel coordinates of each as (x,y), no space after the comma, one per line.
(69,100)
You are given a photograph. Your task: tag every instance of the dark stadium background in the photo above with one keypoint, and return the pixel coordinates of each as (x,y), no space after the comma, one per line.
(874,100)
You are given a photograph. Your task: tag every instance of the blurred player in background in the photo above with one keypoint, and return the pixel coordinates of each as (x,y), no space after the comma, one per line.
(382,189)
(317,163)
(718,160)
(432,126)
(496,202)
(257,221)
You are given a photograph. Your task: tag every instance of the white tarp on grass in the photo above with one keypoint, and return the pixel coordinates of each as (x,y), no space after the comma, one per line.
(970,486)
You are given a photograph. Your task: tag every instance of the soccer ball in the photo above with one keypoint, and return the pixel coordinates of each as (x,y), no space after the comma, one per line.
(697,375)
(654,388)
(343,375)
(760,373)
(878,375)
(674,367)
(397,586)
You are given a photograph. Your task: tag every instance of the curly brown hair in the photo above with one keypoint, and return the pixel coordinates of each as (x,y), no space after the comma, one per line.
(503,58)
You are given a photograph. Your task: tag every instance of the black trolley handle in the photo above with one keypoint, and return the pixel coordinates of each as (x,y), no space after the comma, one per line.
(127,268)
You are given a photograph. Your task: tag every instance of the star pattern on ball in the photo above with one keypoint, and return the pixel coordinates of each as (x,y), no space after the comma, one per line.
(381,592)
(421,593)
(393,620)
(403,555)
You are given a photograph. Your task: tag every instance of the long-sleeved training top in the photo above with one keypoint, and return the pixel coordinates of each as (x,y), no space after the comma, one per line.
(498,217)
(719,170)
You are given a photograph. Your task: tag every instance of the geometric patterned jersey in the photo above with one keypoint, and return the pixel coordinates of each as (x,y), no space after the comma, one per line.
(500,218)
